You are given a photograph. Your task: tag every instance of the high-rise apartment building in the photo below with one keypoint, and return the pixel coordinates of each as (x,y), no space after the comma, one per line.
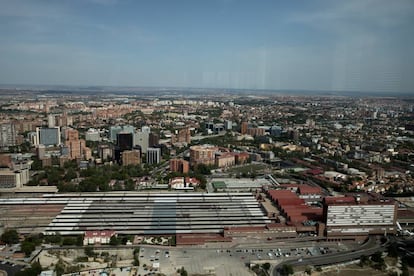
(203,154)
(76,147)
(182,136)
(256,131)
(71,134)
(179,165)
(244,127)
(51,120)
(131,157)
(7,135)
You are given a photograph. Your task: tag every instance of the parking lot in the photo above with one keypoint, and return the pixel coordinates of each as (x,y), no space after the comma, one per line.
(9,267)
(225,261)
(199,261)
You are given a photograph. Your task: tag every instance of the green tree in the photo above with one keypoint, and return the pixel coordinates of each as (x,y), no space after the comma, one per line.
(28,247)
(70,174)
(34,270)
(266,266)
(129,185)
(287,269)
(69,241)
(60,267)
(377,257)
(56,239)
(89,251)
(363,260)
(79,240)
(392,251)
(10,236)
(114,241)
(37,164)
(182,271)
(202,169)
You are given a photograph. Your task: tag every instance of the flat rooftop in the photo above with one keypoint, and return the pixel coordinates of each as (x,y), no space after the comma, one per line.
(242,183)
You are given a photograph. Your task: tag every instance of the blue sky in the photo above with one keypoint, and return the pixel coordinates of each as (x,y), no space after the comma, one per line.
(357,45)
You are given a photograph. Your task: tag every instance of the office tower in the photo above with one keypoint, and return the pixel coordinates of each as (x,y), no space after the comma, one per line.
(142,139)
(48,136)
(153,155)
(113,132)
(153,140)
(125,141)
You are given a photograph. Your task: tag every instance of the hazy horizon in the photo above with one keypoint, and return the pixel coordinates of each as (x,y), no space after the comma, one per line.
(326,46)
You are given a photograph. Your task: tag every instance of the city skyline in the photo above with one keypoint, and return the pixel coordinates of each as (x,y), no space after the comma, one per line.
(326,46)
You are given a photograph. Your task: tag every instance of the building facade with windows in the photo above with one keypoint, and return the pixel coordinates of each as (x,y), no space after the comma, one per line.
(355,215)
(153,155)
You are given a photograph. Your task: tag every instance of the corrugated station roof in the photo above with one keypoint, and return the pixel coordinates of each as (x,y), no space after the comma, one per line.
(149,213)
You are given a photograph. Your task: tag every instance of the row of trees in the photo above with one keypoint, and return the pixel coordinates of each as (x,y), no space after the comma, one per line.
(29,244)
(94,178)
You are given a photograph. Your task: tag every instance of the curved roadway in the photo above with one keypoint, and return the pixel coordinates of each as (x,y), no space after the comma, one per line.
(368,248)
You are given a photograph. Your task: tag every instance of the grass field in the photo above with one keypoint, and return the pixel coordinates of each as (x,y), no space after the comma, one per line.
(249,168)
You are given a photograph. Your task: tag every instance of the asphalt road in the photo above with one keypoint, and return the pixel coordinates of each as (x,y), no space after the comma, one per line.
(10,269)
(368,248)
